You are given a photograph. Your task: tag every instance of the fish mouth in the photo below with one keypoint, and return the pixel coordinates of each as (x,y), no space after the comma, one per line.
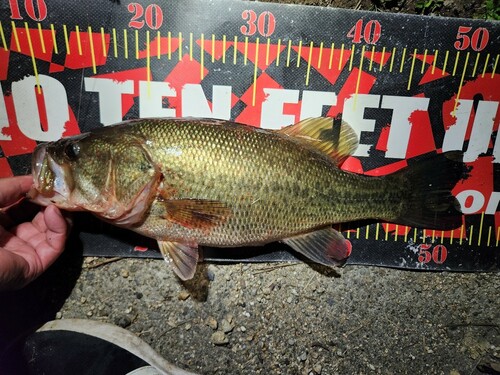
(51,181)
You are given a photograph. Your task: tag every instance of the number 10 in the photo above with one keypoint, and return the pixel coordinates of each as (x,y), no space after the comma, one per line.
(36,9)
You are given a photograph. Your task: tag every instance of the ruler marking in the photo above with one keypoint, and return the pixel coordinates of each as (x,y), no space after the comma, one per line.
(442,236)
(402,61)
(224,43)
(33,60)
(330,61)
(382,59)
(268,46)
(414,235)
(78,40)
(235,50)
(396,234)
(115,44)
(461,234)
(351,59)
(357,233)
(54,39)
(125,43)
(2,35)
(434,62)
(298,53)
(393,56)
(498,236)
(180,46)
(489,236)
(137,44)
(190,46)
(495,66)
(40,34)
(411,69)
(202,55)
(470,235)
(158,44)
(309,58)
(278,53)
(475,64)
(480,234)
(348,234)
(386,229)
(367,233)
(148,62)
(213,48)
(461,83)
(103,42)
(447,54)
(245,57)
(320,57)
(255,71)
(457,58)
(288,53)
(406,234)
(433,235)
(341,56)
(92,51)
(451,236)
(424,235)
(16,37)
(358,80)
(371,59)
(169,45)
(424,61)
(377,230)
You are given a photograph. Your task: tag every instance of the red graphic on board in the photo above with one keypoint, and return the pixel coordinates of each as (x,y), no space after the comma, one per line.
(325,61)
(87,50)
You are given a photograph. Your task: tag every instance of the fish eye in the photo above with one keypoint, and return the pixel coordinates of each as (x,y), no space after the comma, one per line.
(71,151)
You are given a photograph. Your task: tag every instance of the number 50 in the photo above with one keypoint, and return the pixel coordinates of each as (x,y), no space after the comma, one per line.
(477,41)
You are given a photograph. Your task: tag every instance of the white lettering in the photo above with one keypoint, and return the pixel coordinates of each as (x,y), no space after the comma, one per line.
(399,134)
(475,198)
(110,97)
(481,130)
(28,116)
(272,116)
(314,101)
(151,96)
(195,104)
(492,207)
(4,119)
(355,118)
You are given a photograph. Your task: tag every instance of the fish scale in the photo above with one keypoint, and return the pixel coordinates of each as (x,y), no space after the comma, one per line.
(191,182)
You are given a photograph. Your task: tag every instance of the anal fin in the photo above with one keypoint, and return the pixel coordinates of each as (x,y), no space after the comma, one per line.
(182,257)
(325,246)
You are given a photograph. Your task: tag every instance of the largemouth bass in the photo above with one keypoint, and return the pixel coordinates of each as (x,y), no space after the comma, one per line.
(191,182)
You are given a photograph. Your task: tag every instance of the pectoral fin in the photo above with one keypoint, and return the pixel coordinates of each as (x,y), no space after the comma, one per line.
(182,257)
(196,213)
(326,246)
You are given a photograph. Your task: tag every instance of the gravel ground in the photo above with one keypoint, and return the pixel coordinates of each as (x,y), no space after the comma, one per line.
(278,318)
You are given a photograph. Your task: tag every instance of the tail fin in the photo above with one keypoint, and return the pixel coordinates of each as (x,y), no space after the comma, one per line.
(430,203)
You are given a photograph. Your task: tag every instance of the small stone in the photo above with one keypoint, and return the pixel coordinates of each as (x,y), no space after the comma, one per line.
(226,326)
(58,315)
(340,353)
(212,322)
(303,357)
(289,300)
(89,313)
(219,338)
(243,329)
(454,372)
(291,342)
(183,295)
(187,327)
(317,368)
(123,321)
(371,367)
(124,273)
(83,300)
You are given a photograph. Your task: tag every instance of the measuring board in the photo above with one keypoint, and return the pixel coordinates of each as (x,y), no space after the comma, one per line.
(410,86)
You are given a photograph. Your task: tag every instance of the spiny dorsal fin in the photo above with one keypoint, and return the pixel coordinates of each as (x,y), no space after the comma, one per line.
(337,142)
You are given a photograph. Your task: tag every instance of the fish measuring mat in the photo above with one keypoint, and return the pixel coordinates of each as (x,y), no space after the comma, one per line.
(409,85)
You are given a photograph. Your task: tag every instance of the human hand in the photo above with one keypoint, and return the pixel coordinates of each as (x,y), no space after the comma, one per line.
(29,248)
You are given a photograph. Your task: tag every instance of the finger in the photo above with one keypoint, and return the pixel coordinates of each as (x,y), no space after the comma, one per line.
(13,188)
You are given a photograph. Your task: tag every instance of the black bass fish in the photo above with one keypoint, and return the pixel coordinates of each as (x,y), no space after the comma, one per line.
(191,182)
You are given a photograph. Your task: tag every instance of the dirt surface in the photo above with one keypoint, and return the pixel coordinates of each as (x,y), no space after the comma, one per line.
(278,318)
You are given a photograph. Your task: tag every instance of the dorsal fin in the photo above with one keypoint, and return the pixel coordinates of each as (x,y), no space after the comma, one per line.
(339,142)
